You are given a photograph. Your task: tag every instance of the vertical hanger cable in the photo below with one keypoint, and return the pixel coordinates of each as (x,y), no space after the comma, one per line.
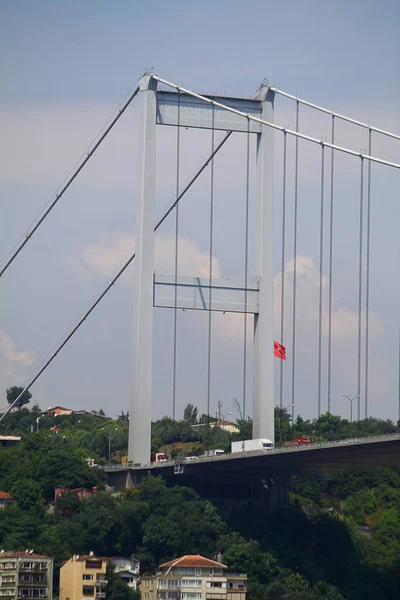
(296,180)
(210,267)
(246,267)
(330,266)
(176,260)
(367,282)
(360,249)
(321,258)
(283,262)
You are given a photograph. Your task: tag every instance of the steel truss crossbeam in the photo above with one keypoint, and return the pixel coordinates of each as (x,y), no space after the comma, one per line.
(194,293)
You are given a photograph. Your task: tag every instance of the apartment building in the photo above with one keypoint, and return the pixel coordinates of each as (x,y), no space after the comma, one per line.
(84,576)
(25,575)
(194,577)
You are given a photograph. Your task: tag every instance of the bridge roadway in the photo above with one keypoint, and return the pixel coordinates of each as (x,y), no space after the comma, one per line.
(253,474)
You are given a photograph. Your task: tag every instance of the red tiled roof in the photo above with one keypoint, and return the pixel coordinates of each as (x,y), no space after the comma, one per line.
(5,496)
(193,560)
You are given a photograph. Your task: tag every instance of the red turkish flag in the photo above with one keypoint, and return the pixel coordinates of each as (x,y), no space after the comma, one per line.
(279,351)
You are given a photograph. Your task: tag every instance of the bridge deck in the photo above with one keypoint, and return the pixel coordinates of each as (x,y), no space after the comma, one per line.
(318,458)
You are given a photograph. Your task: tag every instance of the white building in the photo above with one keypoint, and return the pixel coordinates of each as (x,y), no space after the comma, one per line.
(26,575)
(194,577)
(128,569)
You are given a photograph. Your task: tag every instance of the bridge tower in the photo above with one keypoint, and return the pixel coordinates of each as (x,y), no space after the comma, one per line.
(159,107)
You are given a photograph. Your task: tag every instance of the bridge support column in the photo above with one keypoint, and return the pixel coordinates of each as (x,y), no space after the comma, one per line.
(263,382)
(140,408)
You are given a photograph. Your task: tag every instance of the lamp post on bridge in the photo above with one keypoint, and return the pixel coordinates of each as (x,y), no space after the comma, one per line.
(351,404)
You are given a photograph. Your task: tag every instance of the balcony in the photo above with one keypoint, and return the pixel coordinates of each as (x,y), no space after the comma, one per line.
(32,567)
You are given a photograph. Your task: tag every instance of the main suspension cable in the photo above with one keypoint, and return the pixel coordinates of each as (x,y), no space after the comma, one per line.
(337,115)
(302,136)
(115,278)
(70,178)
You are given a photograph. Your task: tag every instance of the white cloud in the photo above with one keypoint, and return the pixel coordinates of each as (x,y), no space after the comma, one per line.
(103,258)
(13,364)
(344,323)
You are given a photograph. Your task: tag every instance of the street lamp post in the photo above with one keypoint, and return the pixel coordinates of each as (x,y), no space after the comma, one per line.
(222,418)
(109,442)
(351,404)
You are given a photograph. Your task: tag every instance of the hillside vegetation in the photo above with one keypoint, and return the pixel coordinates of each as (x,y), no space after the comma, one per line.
(339,538)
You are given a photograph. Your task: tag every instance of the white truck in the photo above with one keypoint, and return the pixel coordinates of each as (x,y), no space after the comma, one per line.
(262,444)
(213,452)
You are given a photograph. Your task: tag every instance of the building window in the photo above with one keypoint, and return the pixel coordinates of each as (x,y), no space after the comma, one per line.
(32,593)
(215,584)
(94,564)
(88,590)
(191,582)
(188,571)
(7,565)
(191,596)
(87,577)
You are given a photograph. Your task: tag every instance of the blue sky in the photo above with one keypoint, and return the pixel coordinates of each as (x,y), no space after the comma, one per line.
(65,68)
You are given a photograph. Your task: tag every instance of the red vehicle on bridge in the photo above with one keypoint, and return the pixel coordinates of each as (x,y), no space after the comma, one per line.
(302,440)
(158,457)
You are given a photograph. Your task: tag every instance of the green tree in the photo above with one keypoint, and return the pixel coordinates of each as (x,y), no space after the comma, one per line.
(245,429)
(115,588)
(12,394)
(190,414)
(27,493)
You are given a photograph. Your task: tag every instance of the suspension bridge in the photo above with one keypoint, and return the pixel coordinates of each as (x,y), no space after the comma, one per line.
(273,159)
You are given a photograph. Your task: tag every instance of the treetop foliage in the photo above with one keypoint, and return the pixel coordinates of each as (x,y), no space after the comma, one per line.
(338,540)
